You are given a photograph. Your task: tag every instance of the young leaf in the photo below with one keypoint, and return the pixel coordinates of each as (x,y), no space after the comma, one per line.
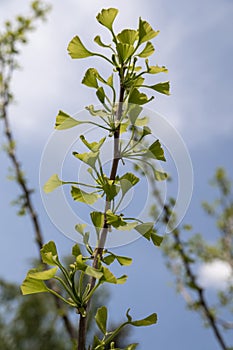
(106,17)
(147,51)
(80,228)
(76,251)
(122,279)
(109,259)
(90,78)
(159,175)
(49,253)
(124,51)
(42,275)
(156,151)
(137,97)
(131,346)
(145,229)
(127,181)
(110,188)
(156,70)
(89,158)
(124,260)
(76,49)
(145,31)
(162,88)
(108,276)
(100,94)
(64,121)
(148,321)
(82,196)
(93,146)
(128,36)
(156,239)
(100,42)
(134,112)
(97,219)
(114,220)
(31,285)
(101,318)
(52,183)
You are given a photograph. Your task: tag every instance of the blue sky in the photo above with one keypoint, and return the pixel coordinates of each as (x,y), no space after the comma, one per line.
(195,43)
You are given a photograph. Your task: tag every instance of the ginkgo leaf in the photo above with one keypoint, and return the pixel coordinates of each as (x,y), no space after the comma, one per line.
(65,121)
(145,31)
(76,49)
(90,78)
(99,41)
(88,157)
(147,51)
(127,181)
(128,36)
(106,17)
(93,146)
(124,51)
(49,253)
(52,183)
(82,196)
(155,151)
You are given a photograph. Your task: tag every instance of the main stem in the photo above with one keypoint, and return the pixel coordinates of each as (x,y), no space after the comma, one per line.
(99,250)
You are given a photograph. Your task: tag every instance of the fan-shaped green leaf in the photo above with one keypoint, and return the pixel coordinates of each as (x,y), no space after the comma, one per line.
(147,51)
(148,321)
(32,286)
(90,78)
(101,319)
(52,183)
(49,253)
(93,146)
(64,121)
(124,51)
(127,181)
(100,42)
(145,31)
(76,49)
(159,175)
(82,196)
(128,36)
(155,151)
(88,158)
(106,17)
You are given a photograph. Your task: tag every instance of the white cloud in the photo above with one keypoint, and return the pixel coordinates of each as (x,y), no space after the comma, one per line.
(216,274)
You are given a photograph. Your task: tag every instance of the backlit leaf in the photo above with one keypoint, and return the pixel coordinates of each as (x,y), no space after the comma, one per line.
(106,17)
(64,121)
(148,321)
(76,49)
(156,151)
(145,31)
(42,275)
(128,36)
(156,70)
(124,51)
(82,196)
(145,229)
(162,88)
(93,146)
(156,239)
(147,51)
(100,94)
(159,175)
(114,220)
(90,78)
(52,183)
(49,253)
(127,181)
(124,260)
(101,318)
(31,285)
(137,97)
(97,219)
(99,41)
(88,158)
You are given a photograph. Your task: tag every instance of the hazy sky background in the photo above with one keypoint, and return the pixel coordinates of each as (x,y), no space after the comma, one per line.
(195,43)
